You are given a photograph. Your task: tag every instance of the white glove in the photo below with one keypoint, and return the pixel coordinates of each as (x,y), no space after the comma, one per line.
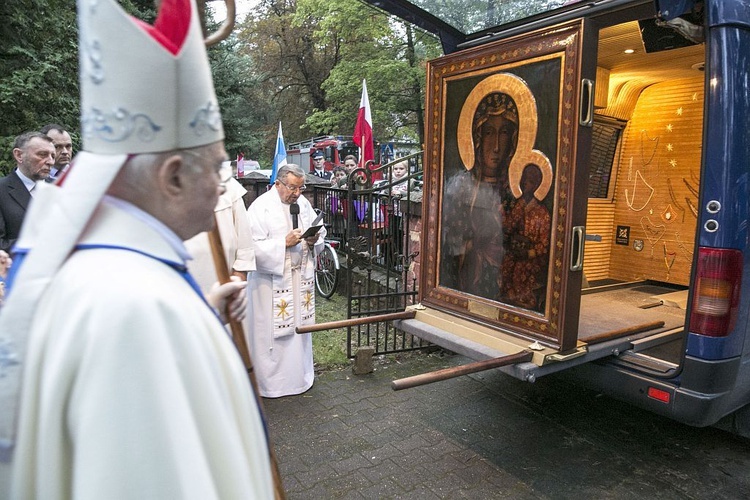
(233,293)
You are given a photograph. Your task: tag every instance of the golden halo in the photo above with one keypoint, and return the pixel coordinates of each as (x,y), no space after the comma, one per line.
(517,165)
(517,89)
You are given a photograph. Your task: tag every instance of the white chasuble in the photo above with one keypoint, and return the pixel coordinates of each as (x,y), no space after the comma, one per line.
(132,387)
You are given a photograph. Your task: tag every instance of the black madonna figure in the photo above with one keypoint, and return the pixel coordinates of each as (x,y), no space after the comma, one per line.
(495,137)
(472,239)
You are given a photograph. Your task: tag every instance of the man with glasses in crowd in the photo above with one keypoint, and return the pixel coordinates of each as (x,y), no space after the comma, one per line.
(282,288)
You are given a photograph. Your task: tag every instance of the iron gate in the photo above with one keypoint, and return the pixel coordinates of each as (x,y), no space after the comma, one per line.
(372,220)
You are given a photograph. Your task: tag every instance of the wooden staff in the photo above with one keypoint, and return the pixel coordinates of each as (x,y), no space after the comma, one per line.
(220,261)
(238,336)
(344,323)
(222,272)
(224,30)
(457,371)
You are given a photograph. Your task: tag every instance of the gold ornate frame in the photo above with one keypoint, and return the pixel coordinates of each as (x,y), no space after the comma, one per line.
(458,82)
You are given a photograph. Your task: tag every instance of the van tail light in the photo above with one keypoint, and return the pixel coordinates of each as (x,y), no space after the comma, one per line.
(716,293)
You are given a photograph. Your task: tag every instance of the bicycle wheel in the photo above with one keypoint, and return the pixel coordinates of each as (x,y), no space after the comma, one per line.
(327,272)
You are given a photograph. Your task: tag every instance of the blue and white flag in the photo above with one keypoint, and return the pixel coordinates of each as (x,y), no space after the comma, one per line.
(279,158)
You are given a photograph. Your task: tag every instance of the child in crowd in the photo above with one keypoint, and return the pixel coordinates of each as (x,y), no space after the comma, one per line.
(399,171)
(398,189)
(338,179)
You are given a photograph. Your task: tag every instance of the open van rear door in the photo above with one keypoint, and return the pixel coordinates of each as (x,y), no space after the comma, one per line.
(508,135)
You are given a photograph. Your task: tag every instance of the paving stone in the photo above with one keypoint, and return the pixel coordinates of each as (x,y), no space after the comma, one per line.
(388,451)
(385,488)
(347,485)
(351,463)
(489,436)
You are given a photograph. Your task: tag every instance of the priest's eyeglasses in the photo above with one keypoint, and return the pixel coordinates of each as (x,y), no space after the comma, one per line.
(293,189)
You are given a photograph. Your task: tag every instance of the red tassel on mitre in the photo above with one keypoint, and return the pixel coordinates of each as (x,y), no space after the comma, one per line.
(171,26)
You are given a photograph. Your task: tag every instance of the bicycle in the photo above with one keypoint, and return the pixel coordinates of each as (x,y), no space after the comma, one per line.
(327,269)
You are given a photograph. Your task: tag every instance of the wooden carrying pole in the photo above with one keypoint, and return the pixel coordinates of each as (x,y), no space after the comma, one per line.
(344,323)
(621,332)
(238,336)
(220,261)
(457,371)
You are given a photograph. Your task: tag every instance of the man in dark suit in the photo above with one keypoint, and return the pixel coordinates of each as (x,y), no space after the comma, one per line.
(63,149)
(34,154)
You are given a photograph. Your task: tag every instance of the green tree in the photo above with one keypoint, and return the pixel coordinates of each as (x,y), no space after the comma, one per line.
(39,67)
(244,110)
(294,67)
(315,54)
(395,75)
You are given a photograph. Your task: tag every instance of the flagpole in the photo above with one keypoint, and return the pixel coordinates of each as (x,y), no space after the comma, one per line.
(279,157)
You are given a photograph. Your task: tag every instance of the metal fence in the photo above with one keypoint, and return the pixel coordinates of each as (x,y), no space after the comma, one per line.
(369,221)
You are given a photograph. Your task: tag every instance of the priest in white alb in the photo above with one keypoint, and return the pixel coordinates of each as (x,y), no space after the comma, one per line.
(281,291)
(234,231)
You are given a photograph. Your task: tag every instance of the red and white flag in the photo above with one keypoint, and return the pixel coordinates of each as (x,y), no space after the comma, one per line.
(363,129)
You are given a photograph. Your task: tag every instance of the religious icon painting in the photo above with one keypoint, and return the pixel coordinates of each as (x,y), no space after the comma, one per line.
(502,141)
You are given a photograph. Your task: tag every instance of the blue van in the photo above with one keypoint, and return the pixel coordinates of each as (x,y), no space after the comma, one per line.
(586,195)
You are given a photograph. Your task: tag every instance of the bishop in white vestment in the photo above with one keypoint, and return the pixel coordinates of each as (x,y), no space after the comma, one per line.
(133,386)
(117,379)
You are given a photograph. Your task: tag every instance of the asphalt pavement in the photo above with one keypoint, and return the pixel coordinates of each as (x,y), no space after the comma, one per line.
(486,436)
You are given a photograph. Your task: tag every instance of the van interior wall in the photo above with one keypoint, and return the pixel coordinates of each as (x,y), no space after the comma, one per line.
(655,191)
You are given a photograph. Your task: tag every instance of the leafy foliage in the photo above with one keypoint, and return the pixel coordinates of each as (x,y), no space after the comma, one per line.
(315,55)
(395,83)
(39,67)
(244,110)
(300,62)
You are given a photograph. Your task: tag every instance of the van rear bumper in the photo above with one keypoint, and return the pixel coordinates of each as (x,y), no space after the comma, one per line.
(697,405)
(699,396)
